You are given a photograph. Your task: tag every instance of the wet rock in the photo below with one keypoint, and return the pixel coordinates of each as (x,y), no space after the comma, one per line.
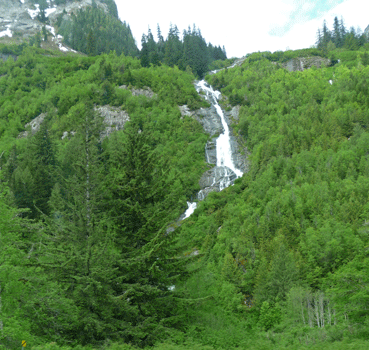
(211,151)
(215,180)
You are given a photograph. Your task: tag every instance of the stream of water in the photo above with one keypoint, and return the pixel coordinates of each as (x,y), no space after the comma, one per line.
(223,145)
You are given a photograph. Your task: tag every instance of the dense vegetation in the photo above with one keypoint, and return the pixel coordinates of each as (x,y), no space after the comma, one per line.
(88,254)
(191,53)
(289,241)
(85,254)
(93,31)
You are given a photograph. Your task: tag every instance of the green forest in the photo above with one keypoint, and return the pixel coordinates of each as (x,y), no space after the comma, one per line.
(92,255)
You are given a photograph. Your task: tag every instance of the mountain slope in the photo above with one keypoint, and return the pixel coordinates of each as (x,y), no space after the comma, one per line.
(45,23)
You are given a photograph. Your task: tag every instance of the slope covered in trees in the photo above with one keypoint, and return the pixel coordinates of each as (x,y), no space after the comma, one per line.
(85,252)
(277,261)
(290,239)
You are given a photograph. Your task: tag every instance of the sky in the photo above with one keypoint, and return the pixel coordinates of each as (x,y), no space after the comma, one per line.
(244,26)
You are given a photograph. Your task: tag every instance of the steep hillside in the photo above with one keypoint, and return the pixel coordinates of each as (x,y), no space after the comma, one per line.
(112,198)
(285,248)
(99,156)
(88,26)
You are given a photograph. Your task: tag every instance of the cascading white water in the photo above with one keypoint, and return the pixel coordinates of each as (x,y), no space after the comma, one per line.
(223,145)
(191,208)
(224,151)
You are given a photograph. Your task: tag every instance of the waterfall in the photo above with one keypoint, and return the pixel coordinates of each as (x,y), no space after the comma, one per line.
(225,171)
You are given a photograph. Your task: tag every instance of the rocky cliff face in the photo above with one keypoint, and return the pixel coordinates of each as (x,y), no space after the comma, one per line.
(302,63)
(19,19)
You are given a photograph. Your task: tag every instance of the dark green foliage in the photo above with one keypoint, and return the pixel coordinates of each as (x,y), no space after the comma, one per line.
(100,265)
(339,37)
(191,53)
(93,32)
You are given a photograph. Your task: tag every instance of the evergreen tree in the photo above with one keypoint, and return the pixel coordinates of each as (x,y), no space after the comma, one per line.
(160,45)
(144,53)
(141,200)
(173,48)
(78,246)
(34,176)
(195,51)
(337,33)
(42,6)
(91,44)
(43,169)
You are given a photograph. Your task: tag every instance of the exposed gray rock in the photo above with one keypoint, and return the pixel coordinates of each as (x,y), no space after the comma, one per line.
(240,159)
(207,117)
(114,118)
(215,179)
(302,63)
(211,151)
(33,126)
(146,91)
(5,57)
(185,111)
(234,113)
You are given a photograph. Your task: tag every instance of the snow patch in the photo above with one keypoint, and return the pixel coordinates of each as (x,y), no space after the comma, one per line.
(22,1)
(63,48)
(6,32)
(51,30)
(49,11)
(34,13)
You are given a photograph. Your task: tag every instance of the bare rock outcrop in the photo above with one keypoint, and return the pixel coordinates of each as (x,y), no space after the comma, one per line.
(114,118)
(33,126)
(302,63)
(146,91)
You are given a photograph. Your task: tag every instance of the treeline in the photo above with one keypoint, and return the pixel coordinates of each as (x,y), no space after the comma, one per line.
(191,51)
(340,37)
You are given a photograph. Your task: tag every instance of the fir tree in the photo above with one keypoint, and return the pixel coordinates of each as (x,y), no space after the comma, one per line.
(140,201)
